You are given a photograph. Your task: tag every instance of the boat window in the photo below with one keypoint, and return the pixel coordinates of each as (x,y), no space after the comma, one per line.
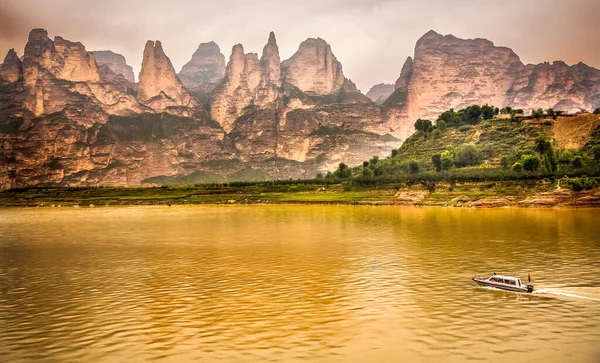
(501,281)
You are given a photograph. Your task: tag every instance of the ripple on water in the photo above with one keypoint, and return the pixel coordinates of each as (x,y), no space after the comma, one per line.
(299,283)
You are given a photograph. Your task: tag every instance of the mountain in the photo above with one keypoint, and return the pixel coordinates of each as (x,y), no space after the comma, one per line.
(449,72)
(205,70)
(69,117)
(115,62)
(380,92)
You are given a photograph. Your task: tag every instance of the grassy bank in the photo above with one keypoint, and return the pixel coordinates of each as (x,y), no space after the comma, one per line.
(525,193)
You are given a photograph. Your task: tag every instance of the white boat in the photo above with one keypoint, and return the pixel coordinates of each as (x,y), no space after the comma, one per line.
(503,282)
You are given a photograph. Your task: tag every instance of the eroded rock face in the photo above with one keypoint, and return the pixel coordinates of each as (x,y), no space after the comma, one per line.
(11,69)
(116,62)
(448,72)
(158,87)
(380,92)
(205,70)
(314,69)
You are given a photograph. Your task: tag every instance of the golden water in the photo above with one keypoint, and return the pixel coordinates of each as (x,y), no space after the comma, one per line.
(297,283)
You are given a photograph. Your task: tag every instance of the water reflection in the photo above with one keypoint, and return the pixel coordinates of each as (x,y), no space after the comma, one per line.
(295,283)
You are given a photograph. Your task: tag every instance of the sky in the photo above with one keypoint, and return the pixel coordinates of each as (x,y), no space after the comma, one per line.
(371,38)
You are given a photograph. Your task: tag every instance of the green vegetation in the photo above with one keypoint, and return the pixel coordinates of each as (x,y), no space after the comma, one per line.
(473,145)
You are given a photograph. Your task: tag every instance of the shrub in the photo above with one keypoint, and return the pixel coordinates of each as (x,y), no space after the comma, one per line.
(531,163)
(517,167)
(505,162)
(413,166)
(577,162)
(441,125)
(423,125)
(565,157)
(436,133)
(436,160)
(596,153)
(467,155)
(537,113)
(597,111)
(343,171)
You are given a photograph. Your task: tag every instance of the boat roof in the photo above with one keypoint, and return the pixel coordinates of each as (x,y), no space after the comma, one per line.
(505,277)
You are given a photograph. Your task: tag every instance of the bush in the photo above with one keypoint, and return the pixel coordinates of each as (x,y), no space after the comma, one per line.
(597,111)
(505,162)
(537,113)
(423,125)
(413,166)
(565,157)
(441,125)
(467,155)
(531,163)
(577,162)
(517,167)
(436,160)
(343,171)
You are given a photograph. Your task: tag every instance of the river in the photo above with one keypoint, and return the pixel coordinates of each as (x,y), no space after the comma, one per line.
(297,283)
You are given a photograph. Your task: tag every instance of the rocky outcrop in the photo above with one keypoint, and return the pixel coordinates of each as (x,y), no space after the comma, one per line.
(448,72)
(158,87)
(116,62)
(248,83)
(205,70)
(11,70)
(380,92)
(314,69)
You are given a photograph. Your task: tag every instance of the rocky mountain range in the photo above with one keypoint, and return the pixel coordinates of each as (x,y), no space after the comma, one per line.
(69,117)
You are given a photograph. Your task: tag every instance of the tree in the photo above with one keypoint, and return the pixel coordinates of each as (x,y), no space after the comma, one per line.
(531,163)
(597,111)
(517,167)
(448,158)
(542,145)
(472,114)
(413,166)
(365,164)
(436,159)
(394,153)
(374,160)
(550,112)
(367,172)
(319,175)
(423,125)
(506,110)
(343,171)
(451,118)
(441,125)
(577,162)
(505,162)
(596,153)
(488,112)
(467,155)
(518,111)
(537,113)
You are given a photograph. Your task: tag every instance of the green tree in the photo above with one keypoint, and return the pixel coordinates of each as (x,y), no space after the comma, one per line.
(343,171)
(472,114)
(413,166)
(488,112)
(423,125)
(517,167)
(367,172)
(319,175)
(550,112)
(531,163)
(596,153)
(505,162)
(597,111)
(506,110)
(394,153)
(451,118)
(518,111)
(441,125)
(436,159)
(577,162)
(565,157)
(537,113)
(467,155)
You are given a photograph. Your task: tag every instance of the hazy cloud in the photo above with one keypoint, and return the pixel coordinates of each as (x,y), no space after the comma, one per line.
(371,38)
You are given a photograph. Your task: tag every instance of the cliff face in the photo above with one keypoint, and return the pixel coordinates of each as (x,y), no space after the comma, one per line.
(314,69)
(68,118)
(11,70)
(115,62)
(159,87)
(205,70)
(448,72)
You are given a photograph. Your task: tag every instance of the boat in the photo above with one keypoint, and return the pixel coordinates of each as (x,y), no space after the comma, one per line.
(504,283)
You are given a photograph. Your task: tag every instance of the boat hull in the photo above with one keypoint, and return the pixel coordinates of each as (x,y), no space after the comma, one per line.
(485,282)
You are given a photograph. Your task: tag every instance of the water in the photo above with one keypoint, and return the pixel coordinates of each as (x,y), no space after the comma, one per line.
(297,283)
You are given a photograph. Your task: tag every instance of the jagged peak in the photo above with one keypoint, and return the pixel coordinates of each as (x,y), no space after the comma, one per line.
(38,33)
(272,38)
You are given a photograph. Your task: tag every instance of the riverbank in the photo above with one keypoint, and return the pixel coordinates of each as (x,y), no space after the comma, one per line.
(471,194)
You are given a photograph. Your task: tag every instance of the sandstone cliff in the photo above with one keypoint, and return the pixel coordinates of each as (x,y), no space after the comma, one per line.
(205,70)
(11,69)
(448,72)
(380,92)
(158,87)
(116,62)
(314,69)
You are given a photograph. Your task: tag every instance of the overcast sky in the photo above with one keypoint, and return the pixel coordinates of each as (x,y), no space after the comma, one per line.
(371,38)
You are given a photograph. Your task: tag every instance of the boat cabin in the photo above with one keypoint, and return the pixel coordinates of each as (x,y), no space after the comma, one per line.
(506,280)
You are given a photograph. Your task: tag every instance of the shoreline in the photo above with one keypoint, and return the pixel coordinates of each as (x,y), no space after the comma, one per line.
(506,194)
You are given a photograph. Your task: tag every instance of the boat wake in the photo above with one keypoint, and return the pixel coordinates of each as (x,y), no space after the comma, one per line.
(587,293)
